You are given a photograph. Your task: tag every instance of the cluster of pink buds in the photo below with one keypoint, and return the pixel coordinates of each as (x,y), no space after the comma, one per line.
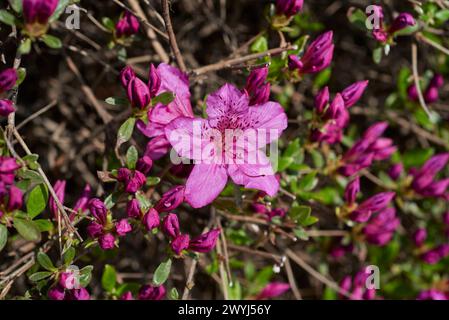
(424,182)
(127,26)
(366,150)
(357,288)
(146,292)
(67,289)
(317,57)
(36,15)
(431,94)
(332,118)
(288,7)
(11,199)
(385,34)
(363,212)
(380,229)
(8,79)
(436,253)
(180,242)
(257,87)
(140,93)
(134,179)
(104,228)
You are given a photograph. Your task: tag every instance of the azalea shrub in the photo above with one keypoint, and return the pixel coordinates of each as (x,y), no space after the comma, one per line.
(279,149)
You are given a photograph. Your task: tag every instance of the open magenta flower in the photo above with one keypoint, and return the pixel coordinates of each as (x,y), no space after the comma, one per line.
(288,7)
(380,229)
(273,290)
(228,143)
(317,57)
(127,25)
(8,79)
(36,14)
(256,86)
(170,79)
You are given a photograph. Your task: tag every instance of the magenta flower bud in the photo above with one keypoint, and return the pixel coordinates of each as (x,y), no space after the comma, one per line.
(127,296)
(431,95)
(67,280)
(15,200)
(375,131)
(435,189)
(122,227)
(371,205)
(419,236)
(56,293)
(256,79)
(322,100)
(133,209)
(59,188)
(443,250)
(170,225)
(380,35)
(294,62)
(132,180)
(446,218)
(412,93)
(424,176)
(82,203)
(6,107)
(351,191)
(144,165)
(38,11)
(154,81)
(402,21)
(138,93)
(127,26)
(272,290)
(98,209)
(437,81)
(205,242)
(261,95)
(8,166)
(431,257)
(337,112)
(180,243)
(318,55)
(353,93)
(94,230)
(395,171)
(276,212)
(171,199)
(148,292)
(78,294)
(126,76)
(106,241)
(151,220)
(288,7)
(259,208)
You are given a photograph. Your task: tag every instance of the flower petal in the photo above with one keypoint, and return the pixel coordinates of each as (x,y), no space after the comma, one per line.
(228,99)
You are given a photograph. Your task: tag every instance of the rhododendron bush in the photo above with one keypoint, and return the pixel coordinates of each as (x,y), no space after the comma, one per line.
(199,149)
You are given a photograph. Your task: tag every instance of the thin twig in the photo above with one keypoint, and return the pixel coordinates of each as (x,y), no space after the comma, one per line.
(422,102)
(437,46)
(37,114)
(291,279)
(171,35)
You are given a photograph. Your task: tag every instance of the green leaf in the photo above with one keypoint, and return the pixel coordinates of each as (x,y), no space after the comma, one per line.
(45,261)
(301,233)
(37,200)
(3,236)
(131,157)
(144,202)
(38,276)
(117,101)
(260,44)
(309,221)
(31,175)
(52,41)
(62,4)
(111,200)
(358,18)
(69,255)
(165,98)
(173,294)
(162,272)
(44,225)
(85,275)
(126,130)
(442,15)
(16,5)
(109,278)
(308,182)
(322,78)
(152,181)
(300,213)
(7,18)
(377,55)
(27,229)
(25,46)
(108,23)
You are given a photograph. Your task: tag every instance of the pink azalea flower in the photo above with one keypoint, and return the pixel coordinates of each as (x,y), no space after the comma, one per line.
(177,82)
(207,142)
